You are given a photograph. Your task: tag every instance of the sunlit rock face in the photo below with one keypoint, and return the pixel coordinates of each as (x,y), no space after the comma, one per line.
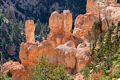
(95,6)
(67,55)
(29,31)
(112,13)
(83,25)
(73,58)
(60,26)
(45,49)
(106,10)
(28,50)
(28,54)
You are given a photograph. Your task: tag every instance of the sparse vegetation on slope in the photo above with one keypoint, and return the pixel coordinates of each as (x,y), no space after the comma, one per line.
(105,64)
(46,71)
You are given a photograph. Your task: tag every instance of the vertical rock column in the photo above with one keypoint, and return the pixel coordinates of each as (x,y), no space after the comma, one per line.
(60,26)
(67,21)
(28,49)
(29,31)
(55,24)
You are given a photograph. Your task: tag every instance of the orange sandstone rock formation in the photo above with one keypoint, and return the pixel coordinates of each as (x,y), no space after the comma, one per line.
(83,24)
(62,46)
(28,50)
(108,11)
(96,6)
(16,69)
(58,49)
(60,26)
(105,9)
(29,31)
(74,58)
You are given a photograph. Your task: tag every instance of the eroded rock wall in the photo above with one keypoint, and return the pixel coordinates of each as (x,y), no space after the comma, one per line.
(59,48)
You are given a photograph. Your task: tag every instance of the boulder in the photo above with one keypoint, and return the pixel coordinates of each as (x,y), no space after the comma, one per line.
(16,69)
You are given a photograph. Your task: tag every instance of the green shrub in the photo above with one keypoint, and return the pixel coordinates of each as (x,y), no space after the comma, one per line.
(46,71)
(7,77)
